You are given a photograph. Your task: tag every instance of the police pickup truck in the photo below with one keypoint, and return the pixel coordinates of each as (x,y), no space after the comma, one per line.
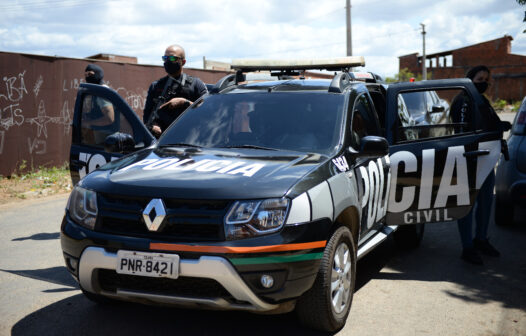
(263,195)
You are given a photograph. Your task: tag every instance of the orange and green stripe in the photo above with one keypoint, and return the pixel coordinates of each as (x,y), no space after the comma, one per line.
(276,259)
(237,249)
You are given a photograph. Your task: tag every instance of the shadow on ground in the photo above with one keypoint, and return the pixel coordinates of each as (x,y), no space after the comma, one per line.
(40,236)
(77,315)
(500,279)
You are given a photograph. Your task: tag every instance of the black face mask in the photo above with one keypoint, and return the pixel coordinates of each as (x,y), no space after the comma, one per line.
(172,67)
(93,79)
(98,75)
(481,87)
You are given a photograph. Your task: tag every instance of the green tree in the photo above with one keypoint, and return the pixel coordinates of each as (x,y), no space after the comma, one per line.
(404,75)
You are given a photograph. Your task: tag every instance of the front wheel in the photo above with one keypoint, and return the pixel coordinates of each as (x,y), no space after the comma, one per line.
(327,304)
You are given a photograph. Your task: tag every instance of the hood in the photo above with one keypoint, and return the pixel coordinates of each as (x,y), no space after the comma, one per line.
(204,174)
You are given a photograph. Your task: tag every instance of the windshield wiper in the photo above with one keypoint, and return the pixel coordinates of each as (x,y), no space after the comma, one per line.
(180,144)
(251,146)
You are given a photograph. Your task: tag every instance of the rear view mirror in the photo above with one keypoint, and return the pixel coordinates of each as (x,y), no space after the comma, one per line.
(437,108)
(373,146)
(505,125)
(119,143)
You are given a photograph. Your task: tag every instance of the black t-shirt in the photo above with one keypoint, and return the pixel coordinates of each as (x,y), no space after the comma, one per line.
(185,86)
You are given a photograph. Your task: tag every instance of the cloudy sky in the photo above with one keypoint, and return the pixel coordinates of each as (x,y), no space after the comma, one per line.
(223,30)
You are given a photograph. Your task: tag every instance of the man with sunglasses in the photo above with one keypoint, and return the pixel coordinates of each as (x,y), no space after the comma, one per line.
(169,96)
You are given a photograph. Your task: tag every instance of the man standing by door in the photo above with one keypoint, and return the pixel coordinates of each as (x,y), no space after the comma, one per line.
(169,96)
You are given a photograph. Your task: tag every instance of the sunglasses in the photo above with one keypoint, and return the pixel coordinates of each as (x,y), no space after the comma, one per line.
(171,58)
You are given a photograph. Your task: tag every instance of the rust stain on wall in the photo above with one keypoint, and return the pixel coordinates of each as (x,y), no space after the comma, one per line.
(37,101)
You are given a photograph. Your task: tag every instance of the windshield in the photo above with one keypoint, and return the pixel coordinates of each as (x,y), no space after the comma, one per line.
(298,121)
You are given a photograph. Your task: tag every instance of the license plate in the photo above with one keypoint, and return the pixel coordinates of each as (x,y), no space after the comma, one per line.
(148,264)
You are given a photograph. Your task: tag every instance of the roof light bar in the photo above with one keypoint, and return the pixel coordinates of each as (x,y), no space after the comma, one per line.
(335,63)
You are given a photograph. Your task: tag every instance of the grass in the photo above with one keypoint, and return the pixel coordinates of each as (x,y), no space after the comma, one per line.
(34,184)
(501,105)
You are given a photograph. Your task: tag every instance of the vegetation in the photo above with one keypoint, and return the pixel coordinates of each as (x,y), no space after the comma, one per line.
(501,105)
(36,183)
(404,75)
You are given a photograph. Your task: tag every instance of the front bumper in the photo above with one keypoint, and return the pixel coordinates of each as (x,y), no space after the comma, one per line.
(216,268)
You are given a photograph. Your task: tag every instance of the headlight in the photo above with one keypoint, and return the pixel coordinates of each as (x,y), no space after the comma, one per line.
(253,218)
(82,206)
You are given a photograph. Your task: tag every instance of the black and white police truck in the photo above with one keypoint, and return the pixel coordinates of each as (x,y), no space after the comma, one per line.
(263,195)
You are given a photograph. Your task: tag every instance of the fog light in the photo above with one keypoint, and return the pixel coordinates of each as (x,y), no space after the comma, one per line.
(267,281)
(71,263)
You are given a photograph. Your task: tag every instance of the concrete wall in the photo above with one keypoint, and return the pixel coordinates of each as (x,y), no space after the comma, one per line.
(508,71)
(37,100)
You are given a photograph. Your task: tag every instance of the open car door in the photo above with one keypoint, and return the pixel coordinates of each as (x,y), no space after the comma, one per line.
(99,113)
(439,153)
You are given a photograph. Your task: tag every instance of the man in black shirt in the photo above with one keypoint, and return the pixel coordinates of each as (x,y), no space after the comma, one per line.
(169,96)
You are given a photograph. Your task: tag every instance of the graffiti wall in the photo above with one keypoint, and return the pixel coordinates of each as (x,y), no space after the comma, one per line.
(37,101)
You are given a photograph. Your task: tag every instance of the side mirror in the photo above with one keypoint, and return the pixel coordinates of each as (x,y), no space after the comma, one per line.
(119,143)
(373,146)
(437,108)
(505,125)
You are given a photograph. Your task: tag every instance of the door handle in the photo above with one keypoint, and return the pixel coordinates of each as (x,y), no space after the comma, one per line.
(78,163)
(473,154)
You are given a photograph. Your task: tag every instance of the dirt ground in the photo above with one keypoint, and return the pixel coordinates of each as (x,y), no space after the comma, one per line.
(17,189)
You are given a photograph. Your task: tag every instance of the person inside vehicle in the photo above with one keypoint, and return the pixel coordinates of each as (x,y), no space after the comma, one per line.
(241,120)
(98,115)
(358,129)
(169,96)
(489,121)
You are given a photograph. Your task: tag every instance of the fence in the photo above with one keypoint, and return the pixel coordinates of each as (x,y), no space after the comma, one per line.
(37,101)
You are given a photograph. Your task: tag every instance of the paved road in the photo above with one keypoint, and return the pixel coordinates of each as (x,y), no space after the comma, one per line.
(426,292)
(429,291)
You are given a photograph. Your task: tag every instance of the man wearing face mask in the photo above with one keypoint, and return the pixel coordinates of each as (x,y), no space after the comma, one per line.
(461,105)
(169,96)
(98,113)
(461,111)
(94,74)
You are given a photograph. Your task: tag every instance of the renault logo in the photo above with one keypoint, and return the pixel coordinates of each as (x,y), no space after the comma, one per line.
(154,214)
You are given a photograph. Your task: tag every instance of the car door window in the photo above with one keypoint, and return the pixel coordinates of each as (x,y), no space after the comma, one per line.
(99,119)
(432,113)
(364,120)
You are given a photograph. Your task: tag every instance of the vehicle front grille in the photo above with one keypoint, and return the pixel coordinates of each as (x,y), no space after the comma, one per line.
(186,220)
(110,281)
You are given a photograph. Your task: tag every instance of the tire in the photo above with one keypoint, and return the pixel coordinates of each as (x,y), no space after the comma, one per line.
(408,237)
(503,213)
(322,307)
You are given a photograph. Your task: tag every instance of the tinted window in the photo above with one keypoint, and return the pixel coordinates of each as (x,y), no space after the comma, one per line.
(433,113)
(101,118)
(299,121)
(364,120)
(520,120)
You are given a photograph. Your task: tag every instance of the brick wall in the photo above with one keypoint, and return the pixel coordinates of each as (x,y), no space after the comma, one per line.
(508,70)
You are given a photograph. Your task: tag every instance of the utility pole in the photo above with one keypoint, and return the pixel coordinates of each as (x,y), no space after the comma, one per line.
(349,31)
(424,68)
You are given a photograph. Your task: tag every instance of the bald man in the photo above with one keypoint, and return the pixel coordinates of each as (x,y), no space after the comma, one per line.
(169,96)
